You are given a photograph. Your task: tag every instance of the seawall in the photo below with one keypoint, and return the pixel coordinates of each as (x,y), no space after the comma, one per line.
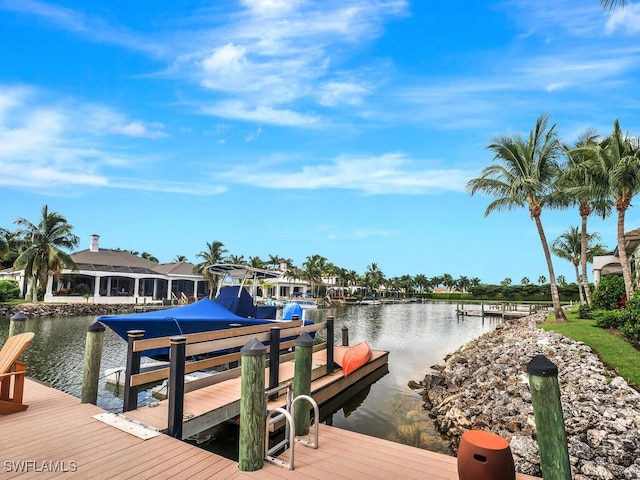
(62,309)
(484,385)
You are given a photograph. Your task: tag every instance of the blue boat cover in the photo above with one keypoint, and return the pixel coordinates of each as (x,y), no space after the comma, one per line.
(201,316)
(290,309)
(242,304)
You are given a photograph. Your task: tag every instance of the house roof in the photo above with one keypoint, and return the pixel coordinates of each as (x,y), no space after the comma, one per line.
(107,260)
(176,268)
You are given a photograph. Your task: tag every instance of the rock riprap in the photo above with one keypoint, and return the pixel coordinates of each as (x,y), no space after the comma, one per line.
(484,385)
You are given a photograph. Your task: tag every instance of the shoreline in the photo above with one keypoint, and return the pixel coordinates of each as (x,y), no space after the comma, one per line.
(484,385)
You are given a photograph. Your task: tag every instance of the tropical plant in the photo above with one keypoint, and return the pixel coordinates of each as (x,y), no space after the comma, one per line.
(148,256)
(524,176)
(45,254)
(620,157)
(585,185)
(236,259)
(180,258)
(568,246)
(506,282)
(542,279)
(610,293)
(525,281)
(313,269)
(214,253)
(612,4)
(374,277)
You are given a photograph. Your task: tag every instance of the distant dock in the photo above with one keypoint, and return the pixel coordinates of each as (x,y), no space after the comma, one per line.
(499,309)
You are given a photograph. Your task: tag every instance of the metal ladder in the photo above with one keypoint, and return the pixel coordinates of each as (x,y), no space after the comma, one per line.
(276,415)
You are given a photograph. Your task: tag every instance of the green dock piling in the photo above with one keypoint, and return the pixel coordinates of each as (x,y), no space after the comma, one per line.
(547,409)
(302,382)
(252,407)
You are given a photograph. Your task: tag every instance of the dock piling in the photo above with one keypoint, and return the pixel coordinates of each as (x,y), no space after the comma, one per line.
(92,356)
(345,337)
(252,407)
(274,360)
(330,343)
(17,324)
(176,386)
(547,410)
(302,382)
(130,400)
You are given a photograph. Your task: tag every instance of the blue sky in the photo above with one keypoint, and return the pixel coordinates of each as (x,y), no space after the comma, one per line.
(345,128)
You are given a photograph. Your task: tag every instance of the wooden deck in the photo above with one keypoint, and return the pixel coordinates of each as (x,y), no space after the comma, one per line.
(57,437)
(212,405)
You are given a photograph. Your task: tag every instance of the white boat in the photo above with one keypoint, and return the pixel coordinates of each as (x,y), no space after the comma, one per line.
(304,304)
(370,301)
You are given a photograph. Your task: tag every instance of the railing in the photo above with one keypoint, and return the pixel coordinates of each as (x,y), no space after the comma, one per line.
(224,345)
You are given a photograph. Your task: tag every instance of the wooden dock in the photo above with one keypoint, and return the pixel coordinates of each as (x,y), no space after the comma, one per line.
(58,437)
(215,404)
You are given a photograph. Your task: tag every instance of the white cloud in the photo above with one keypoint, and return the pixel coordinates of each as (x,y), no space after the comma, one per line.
(627,18)
(392,173)
(237,110)
(139,129)
(46,144)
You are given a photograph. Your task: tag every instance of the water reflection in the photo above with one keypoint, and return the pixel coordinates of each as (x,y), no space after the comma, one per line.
(415,335)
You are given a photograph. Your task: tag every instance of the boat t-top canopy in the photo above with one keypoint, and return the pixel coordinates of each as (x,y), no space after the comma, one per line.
(242,273)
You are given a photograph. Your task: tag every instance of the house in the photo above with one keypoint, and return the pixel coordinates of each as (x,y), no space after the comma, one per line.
(115,276)
(610,263)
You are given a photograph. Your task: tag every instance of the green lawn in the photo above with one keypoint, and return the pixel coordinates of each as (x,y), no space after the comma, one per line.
(614,351)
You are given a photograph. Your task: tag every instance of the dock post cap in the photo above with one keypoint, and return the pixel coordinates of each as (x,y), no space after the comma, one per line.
(253,348)
(96,327)
(135,333)
(541,366)
(304,340)
(18,316)
(178,339)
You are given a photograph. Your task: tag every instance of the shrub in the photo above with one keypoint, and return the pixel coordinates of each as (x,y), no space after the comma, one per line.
(9,290)
(610,293)
(610,318)
(584,311)
(631,326)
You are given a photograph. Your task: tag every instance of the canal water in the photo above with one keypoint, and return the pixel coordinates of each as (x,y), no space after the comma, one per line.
(416,335)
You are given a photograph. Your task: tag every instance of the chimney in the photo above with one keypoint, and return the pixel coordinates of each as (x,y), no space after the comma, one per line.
(93,242)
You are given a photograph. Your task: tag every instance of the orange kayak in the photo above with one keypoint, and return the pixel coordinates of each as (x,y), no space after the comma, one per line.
(354,357)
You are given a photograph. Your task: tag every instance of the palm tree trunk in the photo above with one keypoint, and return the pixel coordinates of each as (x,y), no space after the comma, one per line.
(622,254)
(555,297)
(583,261)
(579,285)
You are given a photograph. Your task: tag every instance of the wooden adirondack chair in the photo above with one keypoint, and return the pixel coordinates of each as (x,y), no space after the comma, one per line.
(12,373)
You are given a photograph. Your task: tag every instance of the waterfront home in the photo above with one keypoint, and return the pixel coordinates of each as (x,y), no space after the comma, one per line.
(610,263)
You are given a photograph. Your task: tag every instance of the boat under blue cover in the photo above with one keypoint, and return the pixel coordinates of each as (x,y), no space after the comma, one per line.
(201,316)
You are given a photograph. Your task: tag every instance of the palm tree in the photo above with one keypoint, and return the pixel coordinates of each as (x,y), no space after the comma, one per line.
(4,243)
(213,254)
(148,256)
(256,262)
(45,254)
(236,259)
(274,261)
(506,282)
(612,4)
(585,185)
(569,247)
(374,277)
(525,281)
(313,268)
(180,258)
(542,279)
(524,176)
(619,157)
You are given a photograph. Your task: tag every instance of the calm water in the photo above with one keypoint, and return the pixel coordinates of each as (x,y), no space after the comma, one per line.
(415,335)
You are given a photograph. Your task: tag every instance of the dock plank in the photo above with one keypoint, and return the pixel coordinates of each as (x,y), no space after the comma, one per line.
(101,451)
